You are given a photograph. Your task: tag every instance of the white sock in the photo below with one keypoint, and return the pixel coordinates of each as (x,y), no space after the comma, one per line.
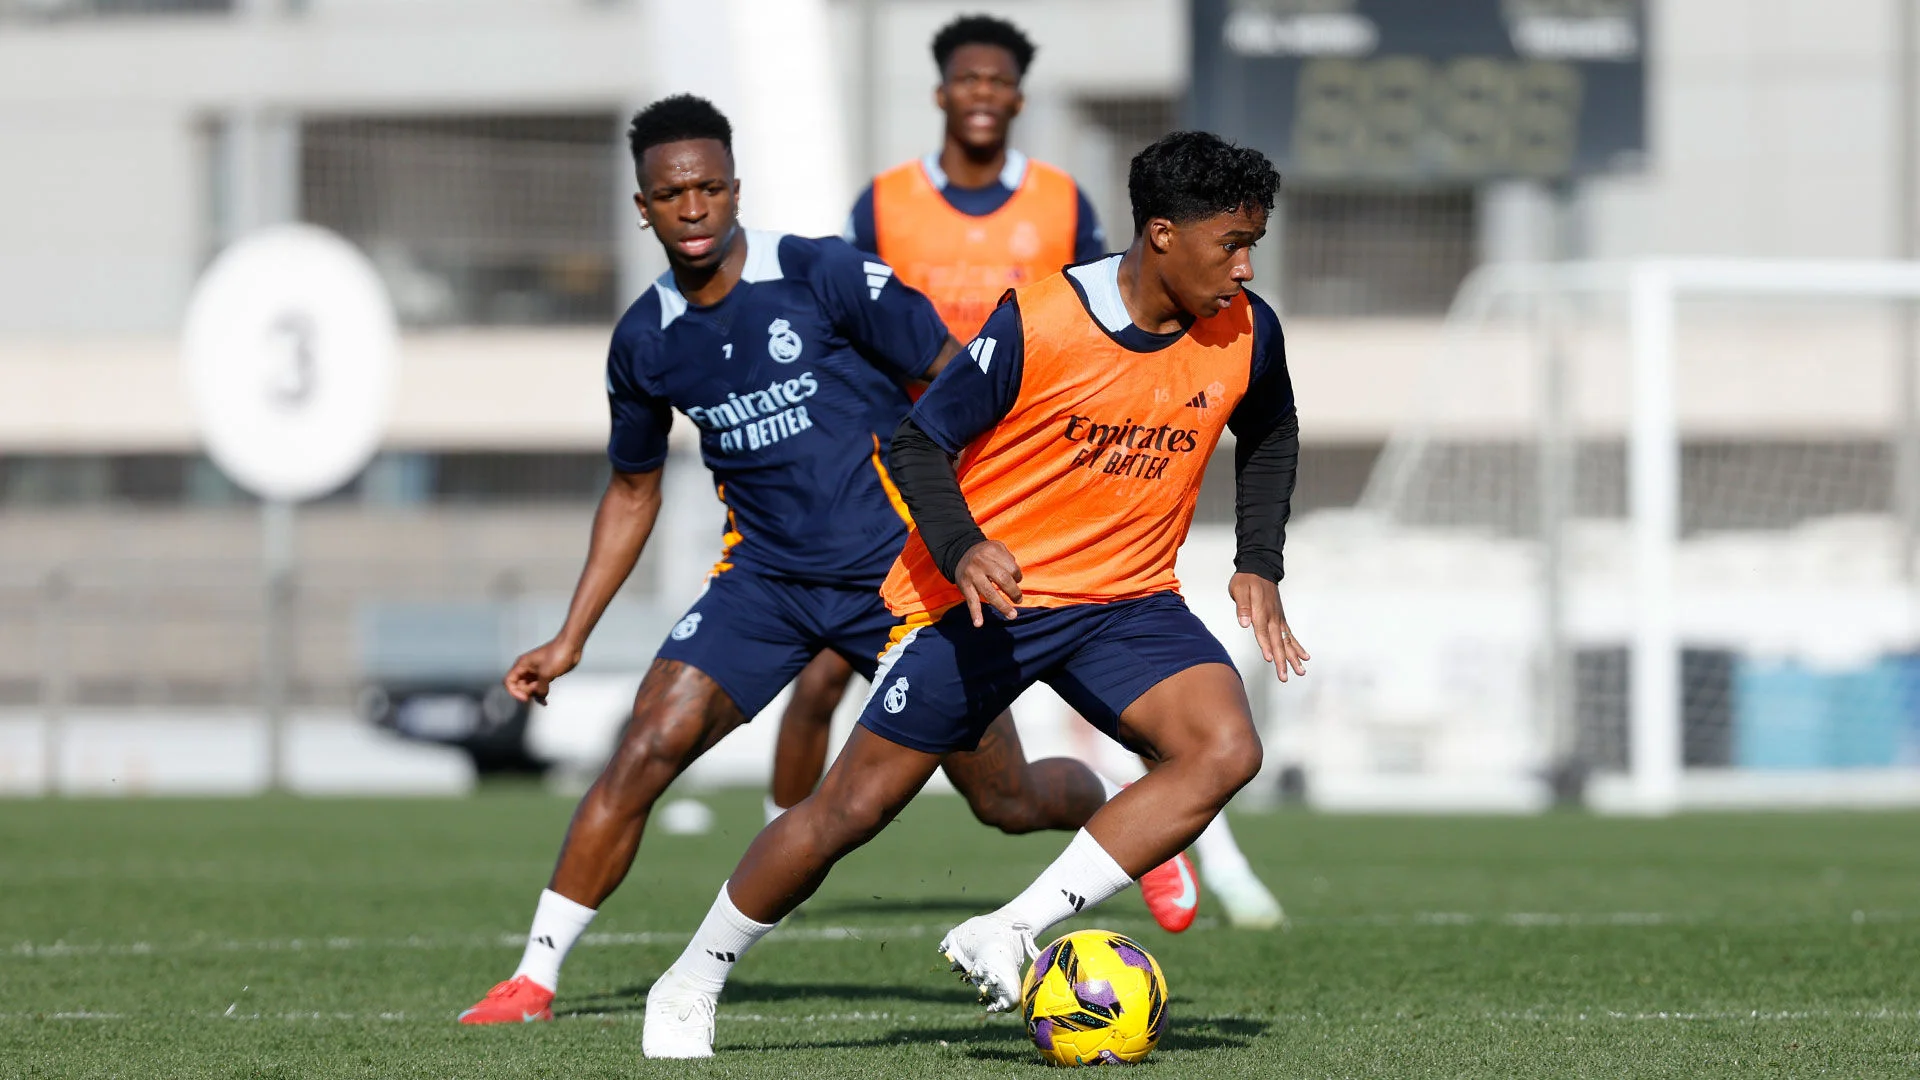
(772,808)
(557,923)
(724,937)
(1083,875)
(1217,851)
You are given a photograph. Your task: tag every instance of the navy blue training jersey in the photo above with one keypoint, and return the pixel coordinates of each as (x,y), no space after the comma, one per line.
(794,380)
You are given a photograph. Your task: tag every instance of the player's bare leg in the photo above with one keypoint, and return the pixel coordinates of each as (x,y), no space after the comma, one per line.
(865,788)
(867,785)
(800,751)
(1228,875)
(1198,729)
(1015,795)
(678,714)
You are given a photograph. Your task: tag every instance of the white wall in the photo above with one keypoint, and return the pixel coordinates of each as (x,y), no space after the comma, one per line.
(1772,128)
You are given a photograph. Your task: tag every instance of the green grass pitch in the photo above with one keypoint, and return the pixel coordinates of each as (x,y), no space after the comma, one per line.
(295,938)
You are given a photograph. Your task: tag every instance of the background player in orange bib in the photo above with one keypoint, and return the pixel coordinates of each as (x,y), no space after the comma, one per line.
(1082,417)
(975,218)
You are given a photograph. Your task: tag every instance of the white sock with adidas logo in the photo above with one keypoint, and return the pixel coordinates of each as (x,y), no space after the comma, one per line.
(724,937)
(1083,875)
(557,923)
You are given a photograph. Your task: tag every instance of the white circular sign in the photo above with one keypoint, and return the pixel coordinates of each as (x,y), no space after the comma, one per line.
(289,350)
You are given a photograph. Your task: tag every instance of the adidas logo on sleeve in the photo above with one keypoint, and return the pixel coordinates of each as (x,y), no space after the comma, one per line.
(982,351)
(878,274)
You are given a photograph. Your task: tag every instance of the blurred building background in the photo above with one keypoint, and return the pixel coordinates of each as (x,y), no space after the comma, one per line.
(472,148)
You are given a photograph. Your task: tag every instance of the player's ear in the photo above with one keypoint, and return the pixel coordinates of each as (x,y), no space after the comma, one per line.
(940,95)
(1159,234)
(640,204)
(1019,102)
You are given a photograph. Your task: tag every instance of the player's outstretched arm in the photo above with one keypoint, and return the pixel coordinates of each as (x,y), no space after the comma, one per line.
(620,529)
(1264,473)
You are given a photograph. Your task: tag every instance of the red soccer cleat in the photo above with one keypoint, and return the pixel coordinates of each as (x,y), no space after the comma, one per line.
(519,1000)
(1172,893)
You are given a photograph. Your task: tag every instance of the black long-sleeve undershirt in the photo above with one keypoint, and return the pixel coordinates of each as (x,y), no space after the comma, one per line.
(927,481)
(1264,474)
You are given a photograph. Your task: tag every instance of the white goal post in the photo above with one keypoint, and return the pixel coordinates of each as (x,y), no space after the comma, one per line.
(1654,289)
(1682,474)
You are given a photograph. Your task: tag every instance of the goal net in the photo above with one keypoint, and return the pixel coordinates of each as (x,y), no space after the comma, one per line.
(1646,544)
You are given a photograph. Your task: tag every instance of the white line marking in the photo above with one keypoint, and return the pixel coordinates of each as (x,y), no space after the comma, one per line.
(878,933)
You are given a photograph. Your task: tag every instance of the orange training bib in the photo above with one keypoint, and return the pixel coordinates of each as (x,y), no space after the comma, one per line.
(964,263)
(1091,477)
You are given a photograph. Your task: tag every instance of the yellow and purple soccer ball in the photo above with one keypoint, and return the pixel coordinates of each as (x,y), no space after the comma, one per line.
(1094,998)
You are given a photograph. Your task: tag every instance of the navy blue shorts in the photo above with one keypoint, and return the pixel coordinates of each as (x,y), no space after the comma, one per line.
(752,633)
(939,688)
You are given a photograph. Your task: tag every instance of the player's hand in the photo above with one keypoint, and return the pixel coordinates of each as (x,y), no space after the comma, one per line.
(534,671)
(989,574)
(1258,601)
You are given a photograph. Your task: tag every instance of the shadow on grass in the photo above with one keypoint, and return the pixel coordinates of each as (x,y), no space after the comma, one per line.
(633,999)
(987,1041)
(1203,1033)
(997,1040)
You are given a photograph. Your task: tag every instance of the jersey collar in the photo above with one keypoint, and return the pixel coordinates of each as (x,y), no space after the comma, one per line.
(1011,174)
(1098,285)
(763,264)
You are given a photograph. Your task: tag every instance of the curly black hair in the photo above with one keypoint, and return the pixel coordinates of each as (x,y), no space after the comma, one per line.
(982,30)
(672,119)
(1190,175)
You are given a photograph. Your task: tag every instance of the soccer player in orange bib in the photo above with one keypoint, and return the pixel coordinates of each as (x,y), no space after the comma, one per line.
(1082,417)
(963,225)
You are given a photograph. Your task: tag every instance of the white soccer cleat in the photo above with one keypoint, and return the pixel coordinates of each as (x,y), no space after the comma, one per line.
(989,952)
(1249,903)
(679,1020)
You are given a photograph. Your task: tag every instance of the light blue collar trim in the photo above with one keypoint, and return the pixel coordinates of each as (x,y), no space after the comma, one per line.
(1101,282)
(763,264)
(1011,174)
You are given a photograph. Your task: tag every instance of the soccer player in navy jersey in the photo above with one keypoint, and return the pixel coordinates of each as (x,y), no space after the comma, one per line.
(789,355)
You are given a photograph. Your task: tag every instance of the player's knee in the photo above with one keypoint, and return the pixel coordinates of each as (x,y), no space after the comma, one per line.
(854,818)
(1230,756)
(650,755)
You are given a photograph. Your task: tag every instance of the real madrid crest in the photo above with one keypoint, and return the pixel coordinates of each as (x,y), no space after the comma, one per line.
(782,343)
